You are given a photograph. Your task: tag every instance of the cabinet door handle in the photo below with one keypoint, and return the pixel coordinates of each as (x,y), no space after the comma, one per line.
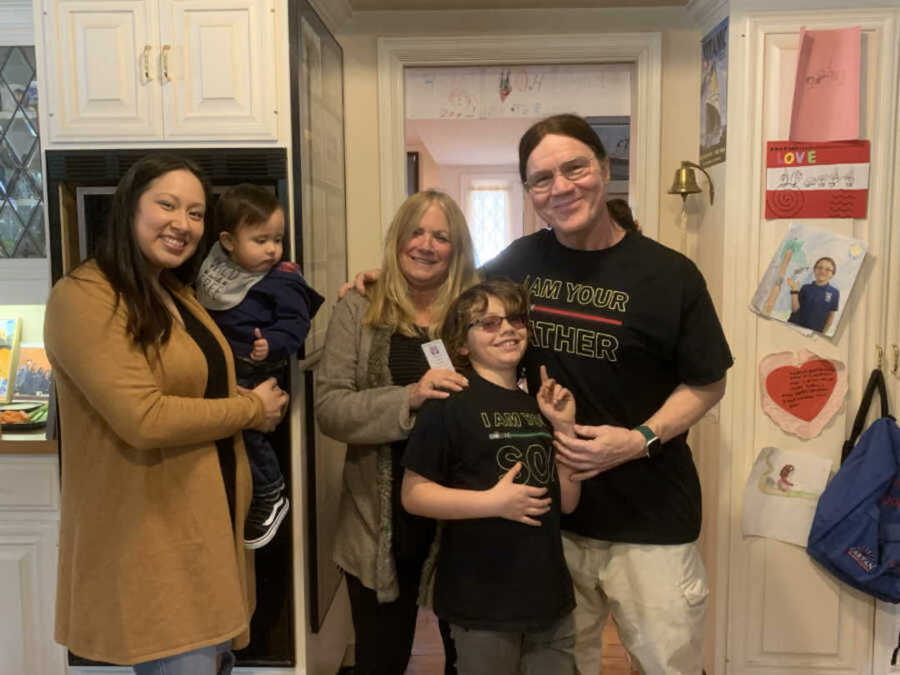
(146,61)
(165,62)
(895,350)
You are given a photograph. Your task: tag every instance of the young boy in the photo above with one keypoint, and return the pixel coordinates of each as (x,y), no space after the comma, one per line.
(263,307)
(482,460)
(815,305)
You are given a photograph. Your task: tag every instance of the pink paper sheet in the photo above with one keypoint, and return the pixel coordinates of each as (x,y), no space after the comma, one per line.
(826,91)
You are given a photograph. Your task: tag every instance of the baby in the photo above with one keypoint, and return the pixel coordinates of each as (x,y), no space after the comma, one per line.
(264,308)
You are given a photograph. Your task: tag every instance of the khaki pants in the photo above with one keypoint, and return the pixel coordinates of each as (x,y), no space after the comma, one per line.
(656,594)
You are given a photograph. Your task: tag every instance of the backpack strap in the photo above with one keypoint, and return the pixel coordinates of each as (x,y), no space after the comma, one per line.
(876,380)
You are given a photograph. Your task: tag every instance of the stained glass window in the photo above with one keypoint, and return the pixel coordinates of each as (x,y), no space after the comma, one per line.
(21,180)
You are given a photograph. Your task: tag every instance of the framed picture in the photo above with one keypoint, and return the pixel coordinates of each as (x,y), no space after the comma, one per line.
(10,334)
(615,133)
(33,373)
(714,95)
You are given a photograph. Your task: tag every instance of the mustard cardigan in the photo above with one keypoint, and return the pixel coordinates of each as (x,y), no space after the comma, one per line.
(150,563)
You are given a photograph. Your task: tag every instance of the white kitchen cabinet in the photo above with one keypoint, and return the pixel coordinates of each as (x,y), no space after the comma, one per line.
(151,70)
(29,523)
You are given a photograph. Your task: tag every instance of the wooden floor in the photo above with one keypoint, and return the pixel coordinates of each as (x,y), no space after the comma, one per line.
(428,652)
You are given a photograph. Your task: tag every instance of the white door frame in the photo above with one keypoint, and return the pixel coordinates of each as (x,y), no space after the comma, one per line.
(642,49)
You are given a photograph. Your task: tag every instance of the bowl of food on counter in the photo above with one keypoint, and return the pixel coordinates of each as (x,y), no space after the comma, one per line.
(23,416)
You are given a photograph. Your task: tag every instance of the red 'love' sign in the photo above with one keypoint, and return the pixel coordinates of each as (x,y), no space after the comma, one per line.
(803,391)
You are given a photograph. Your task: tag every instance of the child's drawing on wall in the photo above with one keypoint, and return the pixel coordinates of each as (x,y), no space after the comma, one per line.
(781,493)
(809,278)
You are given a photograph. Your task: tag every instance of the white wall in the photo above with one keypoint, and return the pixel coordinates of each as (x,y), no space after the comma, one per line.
(429,176)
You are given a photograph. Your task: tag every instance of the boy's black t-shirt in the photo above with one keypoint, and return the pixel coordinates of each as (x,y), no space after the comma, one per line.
(493,573)
(622,327)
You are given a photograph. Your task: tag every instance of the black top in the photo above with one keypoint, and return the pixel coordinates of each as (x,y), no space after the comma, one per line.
(216,387)
(622,327)
(412,535)
(493,573)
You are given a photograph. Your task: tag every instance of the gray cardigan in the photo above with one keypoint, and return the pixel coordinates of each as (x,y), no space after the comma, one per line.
(358,405)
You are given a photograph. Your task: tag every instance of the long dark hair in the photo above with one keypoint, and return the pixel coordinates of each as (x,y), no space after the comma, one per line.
(120,259)
(572,126)
(621,213)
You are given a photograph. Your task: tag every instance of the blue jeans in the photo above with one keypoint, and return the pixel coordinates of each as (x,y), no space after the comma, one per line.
(196,662)
(267,476)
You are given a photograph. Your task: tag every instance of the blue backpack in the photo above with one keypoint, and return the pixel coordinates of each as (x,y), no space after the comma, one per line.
(855,534)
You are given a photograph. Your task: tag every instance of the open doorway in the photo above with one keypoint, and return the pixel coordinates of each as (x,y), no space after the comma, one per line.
(462,127)
(641,50)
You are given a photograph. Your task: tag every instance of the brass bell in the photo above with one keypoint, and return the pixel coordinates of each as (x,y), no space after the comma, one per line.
(685,182)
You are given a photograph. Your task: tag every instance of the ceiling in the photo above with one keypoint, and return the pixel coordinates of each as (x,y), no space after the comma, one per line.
(426,5)
(487,141)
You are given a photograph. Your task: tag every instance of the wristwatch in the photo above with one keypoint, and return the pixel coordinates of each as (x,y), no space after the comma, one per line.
(652,444)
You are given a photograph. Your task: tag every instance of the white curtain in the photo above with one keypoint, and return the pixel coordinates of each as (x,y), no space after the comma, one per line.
(491,205)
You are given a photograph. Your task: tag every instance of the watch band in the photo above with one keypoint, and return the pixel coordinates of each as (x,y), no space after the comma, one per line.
(652,444)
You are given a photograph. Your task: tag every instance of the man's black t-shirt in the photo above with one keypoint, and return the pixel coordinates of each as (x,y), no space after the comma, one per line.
(622,327)
(493,573)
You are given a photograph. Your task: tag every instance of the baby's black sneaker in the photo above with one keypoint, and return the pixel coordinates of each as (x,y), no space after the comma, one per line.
(263,519)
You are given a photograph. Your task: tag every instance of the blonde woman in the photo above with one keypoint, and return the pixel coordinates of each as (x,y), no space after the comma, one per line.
(372,379)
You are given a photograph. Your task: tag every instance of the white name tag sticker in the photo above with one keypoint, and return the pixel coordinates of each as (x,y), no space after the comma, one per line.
(436,355)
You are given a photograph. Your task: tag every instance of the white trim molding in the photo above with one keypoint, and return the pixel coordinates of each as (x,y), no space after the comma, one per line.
(707,14)
(16,23)
(334,13)
(642,49)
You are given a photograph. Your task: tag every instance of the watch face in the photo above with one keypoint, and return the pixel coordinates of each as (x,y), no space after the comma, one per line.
(653,447)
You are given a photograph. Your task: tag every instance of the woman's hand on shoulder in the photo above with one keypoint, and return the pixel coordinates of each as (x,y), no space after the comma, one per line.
(274,403)
(359,282)
(436,383)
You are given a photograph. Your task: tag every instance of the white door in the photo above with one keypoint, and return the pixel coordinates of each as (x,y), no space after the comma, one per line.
(218,69)
(784,612)
(887,622)
(101,62)
(892,328)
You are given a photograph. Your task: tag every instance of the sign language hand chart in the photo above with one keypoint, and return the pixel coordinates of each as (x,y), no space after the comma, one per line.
(817,180)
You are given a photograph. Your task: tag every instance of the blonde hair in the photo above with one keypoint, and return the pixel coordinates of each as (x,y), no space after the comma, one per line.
(391,305)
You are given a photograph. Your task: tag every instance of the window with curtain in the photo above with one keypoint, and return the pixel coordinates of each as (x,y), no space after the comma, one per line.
(493,207)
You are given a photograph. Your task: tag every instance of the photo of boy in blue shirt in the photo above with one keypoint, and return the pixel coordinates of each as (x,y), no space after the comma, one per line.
(815,304)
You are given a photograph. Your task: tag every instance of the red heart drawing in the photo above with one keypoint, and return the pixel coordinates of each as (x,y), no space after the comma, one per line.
(803,391)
